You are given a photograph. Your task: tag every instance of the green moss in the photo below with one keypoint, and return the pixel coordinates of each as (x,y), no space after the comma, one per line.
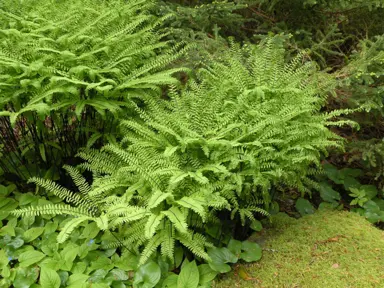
(327,249)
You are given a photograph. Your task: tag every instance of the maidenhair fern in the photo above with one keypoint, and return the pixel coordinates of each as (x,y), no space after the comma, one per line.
(249,122)
(67,68)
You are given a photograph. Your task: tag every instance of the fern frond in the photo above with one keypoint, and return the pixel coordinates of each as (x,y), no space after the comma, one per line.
(51,209)
(69,227)
(61,192)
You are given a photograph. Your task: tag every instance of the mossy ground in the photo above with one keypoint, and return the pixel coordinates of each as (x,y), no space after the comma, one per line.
(327,249)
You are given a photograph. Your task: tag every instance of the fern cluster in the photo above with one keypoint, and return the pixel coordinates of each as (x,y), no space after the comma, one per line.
(69,66)
(250,122)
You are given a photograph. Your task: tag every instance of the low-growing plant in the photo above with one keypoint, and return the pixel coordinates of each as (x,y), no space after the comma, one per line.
(345,186)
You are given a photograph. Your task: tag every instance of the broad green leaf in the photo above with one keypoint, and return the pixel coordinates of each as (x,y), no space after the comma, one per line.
(147,276)
(256,225)
(79,285)
(100,285)
(370,191)
(379,202)
(170,281)
(49,278)
(350,182)
(26,198)
(118,285)
(5,272)
(328,194)
(25,277)
(333,173)
(127,262)
(118,275)
(49,244)
(98,275)
(371,206)
(101,263)
(51,263)
(68,254)
(33,233)
(304,207)
(235,247)
(79,268)
(189,276)
(7,230)
(219,259)
(177,218)
(90,231)
(207,274)
(251,251)
(178,255)
(64,275)
(3,259)
(7,205)
(345,172)
(329,206)
(50,227)
(4,192)
(77,279)
(30,257)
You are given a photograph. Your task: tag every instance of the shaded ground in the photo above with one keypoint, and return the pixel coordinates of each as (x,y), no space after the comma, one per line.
(328,249)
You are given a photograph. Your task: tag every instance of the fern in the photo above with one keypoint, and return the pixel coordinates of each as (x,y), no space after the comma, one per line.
(69,69)
(250,122)
(69,227)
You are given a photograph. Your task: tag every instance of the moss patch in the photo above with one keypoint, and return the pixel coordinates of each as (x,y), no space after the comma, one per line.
(327,249)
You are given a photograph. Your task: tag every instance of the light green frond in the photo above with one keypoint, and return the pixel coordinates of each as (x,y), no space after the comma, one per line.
(52,209)
(69,227)
(177,218)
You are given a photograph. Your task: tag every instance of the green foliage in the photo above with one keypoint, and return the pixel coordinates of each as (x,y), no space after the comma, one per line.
(68,70)
(364,199)
(208,156)
(329,29)
(198,18)
(362,78)
(173,175)
(304,207)
(362,85)
(30,254)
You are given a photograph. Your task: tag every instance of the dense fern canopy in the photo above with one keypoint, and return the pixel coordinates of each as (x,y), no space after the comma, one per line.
(251,121)
(68,66)
(79,56)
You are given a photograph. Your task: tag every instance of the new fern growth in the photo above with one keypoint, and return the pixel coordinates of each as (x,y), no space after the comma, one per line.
(249,122)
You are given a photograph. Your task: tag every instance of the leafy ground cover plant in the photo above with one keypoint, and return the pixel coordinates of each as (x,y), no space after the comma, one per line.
(31,257)
(194,170)
(345,186)
(67,70)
